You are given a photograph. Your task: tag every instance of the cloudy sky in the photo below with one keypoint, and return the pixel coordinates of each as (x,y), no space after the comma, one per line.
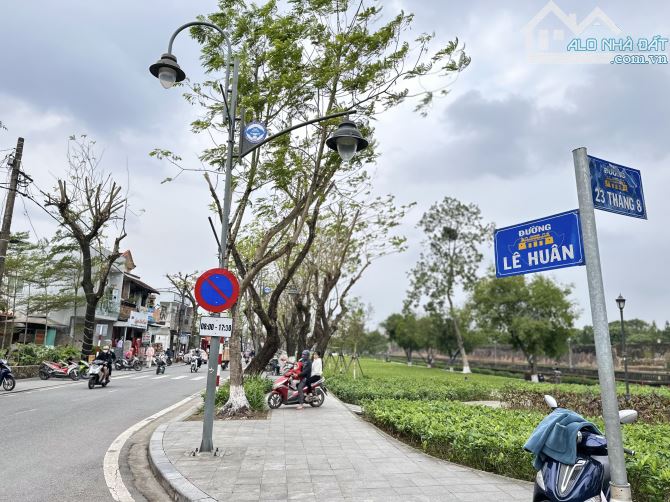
(502,138)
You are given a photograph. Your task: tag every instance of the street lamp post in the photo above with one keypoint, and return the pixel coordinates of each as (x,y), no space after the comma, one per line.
(346,140)
(621,303)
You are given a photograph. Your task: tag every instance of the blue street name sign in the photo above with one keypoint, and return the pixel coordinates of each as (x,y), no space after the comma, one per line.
(544,244)
(617,189)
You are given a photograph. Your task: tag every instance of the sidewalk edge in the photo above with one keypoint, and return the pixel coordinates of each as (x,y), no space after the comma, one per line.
(177,486)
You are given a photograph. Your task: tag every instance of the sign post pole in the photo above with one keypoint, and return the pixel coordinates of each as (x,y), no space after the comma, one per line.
(620,488)
(216,290)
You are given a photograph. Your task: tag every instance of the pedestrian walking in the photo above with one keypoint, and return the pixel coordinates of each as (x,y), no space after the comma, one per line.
(150,355)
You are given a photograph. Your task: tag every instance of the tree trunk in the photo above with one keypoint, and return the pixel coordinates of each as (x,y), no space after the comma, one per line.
(237,403)
(459,338)
(89,328)
(409,356)
(290,345)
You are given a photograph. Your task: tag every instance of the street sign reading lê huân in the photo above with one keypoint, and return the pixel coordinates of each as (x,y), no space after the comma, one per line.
(543,244)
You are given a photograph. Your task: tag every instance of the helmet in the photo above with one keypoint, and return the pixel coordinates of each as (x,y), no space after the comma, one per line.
(105,347)
(305,353)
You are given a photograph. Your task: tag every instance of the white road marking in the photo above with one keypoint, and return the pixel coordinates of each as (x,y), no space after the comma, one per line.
(159,376)
(197,378)
(179,377)
(25,411)
(113,478)
(143,376)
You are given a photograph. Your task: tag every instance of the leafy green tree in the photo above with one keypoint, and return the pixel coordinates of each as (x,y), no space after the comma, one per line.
(455,233)
(308,58)
(402,329)
(535,316)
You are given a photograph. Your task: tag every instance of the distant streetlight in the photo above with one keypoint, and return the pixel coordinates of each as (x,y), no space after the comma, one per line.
(621,303)
(346,140)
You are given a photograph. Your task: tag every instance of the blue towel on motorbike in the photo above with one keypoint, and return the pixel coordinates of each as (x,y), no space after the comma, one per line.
(556,437)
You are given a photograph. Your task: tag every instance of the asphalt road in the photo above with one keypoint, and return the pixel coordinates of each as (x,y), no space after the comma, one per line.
(54,437)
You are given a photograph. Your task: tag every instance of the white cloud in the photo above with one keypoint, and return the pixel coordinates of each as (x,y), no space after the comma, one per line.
(502,139)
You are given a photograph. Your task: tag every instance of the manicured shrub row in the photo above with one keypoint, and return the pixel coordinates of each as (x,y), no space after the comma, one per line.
(393,380)
(652,407)
(369,388)
(492,440)
(255,388)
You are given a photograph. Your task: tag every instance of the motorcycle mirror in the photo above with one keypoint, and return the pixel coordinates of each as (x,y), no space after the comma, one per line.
(551,401)
(627,416)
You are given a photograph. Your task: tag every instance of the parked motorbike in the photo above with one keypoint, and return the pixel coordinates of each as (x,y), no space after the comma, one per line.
(588,480)
(6,377)
(128,364)
(283,393)
(50,369)
(161,363)
(83,369)
(97,375)
(272,367)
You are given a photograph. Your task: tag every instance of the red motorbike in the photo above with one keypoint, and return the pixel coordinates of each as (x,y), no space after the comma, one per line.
(50,369)
(284,393)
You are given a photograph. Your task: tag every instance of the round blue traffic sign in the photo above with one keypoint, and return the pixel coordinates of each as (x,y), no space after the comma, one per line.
(217,290)
(255,132)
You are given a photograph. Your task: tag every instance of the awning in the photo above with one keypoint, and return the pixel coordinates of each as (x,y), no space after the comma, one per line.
(137,281)
(126,324)
(21,319)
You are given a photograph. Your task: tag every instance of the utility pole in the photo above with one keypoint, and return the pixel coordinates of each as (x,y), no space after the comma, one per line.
(9,206)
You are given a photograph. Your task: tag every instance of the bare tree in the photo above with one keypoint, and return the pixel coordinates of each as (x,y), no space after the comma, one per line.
(185,284)
(86,203)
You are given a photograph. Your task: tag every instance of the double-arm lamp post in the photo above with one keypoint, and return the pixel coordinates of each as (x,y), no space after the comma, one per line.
(621,303)
(346,140)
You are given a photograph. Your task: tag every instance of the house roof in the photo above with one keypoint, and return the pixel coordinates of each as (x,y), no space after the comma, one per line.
(140,283)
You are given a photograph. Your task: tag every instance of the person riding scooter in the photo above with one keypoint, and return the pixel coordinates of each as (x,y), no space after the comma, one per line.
(109,358)
(304,374)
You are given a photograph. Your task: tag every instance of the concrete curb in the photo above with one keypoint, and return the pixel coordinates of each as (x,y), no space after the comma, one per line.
(177,486)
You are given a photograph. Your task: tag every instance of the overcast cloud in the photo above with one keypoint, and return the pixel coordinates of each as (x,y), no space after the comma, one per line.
(502,138)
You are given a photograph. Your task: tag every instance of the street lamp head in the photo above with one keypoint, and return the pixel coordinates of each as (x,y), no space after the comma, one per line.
(167,70)
(347,140)
(621,302)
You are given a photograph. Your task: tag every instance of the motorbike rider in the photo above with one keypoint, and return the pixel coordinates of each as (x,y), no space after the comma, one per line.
(305,372)
(108,357)
(198,357)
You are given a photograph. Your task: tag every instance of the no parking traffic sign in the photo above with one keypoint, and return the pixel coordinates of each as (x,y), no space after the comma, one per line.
(217,290)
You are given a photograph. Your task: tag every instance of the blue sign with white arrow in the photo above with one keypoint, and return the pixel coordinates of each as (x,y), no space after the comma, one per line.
(617,189)
(538,245)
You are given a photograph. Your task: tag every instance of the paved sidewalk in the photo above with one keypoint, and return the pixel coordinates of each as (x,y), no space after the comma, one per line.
(323,454)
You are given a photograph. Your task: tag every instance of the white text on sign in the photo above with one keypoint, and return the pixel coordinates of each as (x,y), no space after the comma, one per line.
(216,326)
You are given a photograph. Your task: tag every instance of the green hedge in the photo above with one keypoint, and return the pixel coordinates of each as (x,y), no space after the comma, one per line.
(492,440)
(651,407)
(255,388)
(26,354)
(394,380)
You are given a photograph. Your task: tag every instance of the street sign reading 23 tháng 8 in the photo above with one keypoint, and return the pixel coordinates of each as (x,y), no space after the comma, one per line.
(616,188)
(216,326)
